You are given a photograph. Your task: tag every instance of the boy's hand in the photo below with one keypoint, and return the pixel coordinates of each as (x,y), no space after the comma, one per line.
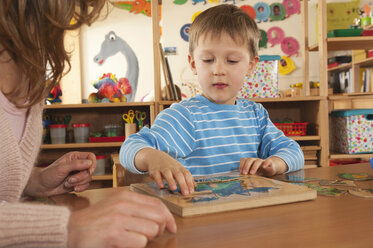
(161,166)
(268,167)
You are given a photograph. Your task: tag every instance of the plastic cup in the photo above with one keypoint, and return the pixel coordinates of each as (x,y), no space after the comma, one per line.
(58,133)
(100,165)
(112,130)
(81,131)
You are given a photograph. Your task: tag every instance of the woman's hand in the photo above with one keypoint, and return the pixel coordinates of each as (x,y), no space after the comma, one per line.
(125,219)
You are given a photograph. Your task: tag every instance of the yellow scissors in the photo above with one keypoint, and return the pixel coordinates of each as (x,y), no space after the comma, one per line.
(129,116)
(140,117)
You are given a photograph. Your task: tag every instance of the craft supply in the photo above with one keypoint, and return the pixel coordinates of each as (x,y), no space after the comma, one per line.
(100,165)
(140,117)
(58,133)
(129,116)
(230,191)
(81,131)
(129,129)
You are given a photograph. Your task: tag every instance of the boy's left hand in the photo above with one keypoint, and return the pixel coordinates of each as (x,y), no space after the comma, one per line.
(267,167)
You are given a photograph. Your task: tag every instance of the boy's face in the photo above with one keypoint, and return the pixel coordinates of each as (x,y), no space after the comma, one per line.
(221,66)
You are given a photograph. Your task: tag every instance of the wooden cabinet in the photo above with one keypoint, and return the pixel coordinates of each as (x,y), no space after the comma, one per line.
(334,102)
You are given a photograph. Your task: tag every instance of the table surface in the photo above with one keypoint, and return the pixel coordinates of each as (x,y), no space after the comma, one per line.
(344,221)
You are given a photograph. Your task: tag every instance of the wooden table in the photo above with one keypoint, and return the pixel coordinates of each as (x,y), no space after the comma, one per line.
(344,221)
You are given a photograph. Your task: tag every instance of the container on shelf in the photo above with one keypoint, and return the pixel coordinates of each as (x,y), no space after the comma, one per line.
(100,165)
(112,130)
(263,82)
(293,129)
(352,131)
(81,131)
(58,133)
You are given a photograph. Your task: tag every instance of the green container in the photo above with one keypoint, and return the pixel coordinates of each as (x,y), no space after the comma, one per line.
(345,32)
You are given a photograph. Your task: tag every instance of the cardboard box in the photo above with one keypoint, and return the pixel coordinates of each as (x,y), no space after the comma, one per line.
(359,55)
(263,82)
(352,131)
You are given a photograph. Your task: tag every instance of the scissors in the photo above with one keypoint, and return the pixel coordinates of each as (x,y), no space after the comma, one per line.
(140,117)
(129,116)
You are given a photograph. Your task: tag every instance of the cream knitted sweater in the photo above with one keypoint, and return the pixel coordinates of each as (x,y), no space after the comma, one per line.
(25,224)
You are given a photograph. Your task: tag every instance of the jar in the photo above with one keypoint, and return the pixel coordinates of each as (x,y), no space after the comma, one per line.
(100,165)
(112,130)
(58,133)
(81,131)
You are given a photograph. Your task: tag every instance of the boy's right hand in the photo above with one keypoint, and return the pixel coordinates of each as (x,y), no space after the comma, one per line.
(161,166)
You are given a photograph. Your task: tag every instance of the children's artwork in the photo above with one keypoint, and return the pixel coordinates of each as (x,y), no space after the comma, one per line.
(325,191)
(262,11)
(292,7)
(275,35)
(356,176)
(113,44)
(286,65)
(249,10)
(290,46)
(366,193)
(184,32)
(228,192)
(341,15)
(54,95)
(180,2)
(337,182)
(194,2)
(278,12)
(195,15)
(263,81)
(136,7)
(263,39)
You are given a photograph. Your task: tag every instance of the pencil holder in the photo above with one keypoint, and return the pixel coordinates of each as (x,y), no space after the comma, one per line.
(129,129)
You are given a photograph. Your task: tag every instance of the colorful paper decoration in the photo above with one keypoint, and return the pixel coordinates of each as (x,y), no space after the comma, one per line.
(292,7)
(286,65)
(275,35)
(278,12)
(194,2)
(262,11)
(195,15)
(184,32)
(341,15)
(249,10)
(290,46)
(180,2)
(213,1)
(263,40)
(136,7)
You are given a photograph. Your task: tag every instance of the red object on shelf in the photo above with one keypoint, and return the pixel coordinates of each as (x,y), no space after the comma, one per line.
(370,53)
(107,139)
(293,129)
(332,65)
(367,32)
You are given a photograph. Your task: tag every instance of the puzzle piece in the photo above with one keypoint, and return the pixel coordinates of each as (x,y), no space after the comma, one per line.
(337,182)
(325,191)
(356,176)
(366,193)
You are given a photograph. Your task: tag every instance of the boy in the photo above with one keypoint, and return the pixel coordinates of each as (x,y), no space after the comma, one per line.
(214,132)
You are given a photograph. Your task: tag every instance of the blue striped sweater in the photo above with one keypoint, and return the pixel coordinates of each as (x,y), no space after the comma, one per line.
(209,138)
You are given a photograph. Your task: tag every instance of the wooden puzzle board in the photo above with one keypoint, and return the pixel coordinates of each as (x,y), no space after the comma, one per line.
(228,192)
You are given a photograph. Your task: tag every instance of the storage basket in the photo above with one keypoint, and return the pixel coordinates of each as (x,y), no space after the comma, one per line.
(293,129)
(352,131)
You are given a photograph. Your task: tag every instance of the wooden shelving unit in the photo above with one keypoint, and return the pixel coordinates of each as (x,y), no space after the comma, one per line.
(335,102)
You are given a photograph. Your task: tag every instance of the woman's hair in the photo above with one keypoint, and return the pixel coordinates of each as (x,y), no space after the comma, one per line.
(225,18)
(32,32)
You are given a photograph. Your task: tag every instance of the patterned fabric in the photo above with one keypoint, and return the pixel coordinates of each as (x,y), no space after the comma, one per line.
(209,138)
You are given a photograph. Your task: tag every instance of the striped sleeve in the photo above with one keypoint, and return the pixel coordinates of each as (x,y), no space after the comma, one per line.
(172,132)
(275,143)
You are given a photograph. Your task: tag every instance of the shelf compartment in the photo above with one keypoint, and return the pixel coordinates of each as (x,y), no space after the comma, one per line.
(340,67)
(349,156)
(305,138)
(81,145)
(353,101)
(349,43)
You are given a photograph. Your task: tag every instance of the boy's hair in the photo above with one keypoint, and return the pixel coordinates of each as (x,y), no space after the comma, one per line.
(32,32)
(225,18)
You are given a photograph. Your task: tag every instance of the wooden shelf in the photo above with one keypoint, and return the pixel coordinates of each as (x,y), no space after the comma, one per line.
(365,63)
(81,145)
(97,105)
(102,178)
(340,67)
(305,138)
(346,43)
(351,101)
(289,99)
(349,156)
